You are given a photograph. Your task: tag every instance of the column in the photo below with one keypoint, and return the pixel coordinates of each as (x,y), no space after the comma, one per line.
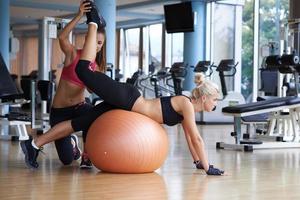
(4,31)
(194,42)
(108,11)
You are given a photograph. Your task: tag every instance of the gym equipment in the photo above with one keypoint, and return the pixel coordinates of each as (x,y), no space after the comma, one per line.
(203,67)
(228,99)
(176,73)
(272,106)
(121,141)
(166,82)
(289,120)
(9,96)
(10,101)
(49,29)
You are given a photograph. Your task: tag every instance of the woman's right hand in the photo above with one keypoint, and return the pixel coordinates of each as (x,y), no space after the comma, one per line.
(84,7)
(214,171)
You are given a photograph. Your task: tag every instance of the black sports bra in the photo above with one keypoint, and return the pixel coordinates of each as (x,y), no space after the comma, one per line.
(170,116)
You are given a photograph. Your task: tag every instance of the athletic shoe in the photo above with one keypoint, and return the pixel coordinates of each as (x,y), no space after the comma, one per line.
(85,162)
(93,16)
(76,149)
(31,153)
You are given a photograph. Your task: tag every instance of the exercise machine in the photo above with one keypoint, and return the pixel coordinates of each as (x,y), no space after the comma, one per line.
(165,82)
(226,68)
(284,126)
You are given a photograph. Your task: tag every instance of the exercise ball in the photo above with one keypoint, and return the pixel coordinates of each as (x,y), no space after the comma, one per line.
(122,141)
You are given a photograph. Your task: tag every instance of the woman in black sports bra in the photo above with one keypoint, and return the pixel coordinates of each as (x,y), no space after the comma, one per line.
(168,110)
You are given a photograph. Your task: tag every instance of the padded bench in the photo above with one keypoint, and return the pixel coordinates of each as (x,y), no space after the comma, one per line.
(268,106)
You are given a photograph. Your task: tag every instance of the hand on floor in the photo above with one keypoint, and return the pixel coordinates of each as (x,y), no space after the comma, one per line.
(214,171)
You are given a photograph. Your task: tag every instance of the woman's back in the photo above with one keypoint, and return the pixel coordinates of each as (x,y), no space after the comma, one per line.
(153,108)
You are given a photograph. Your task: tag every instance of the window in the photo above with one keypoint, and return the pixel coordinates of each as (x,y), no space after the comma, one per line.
(132,52)
(155,37)
(247,49)
(174,48)
(151,54)
(224,38)
(145,53)
(272,14)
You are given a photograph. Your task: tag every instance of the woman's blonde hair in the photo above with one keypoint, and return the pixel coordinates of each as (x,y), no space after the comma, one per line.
(203,87)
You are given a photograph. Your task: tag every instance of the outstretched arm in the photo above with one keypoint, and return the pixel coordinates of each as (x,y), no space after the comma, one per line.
(194,140)
(64,42)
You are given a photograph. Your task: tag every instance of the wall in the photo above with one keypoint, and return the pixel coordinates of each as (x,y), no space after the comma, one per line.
(27,58)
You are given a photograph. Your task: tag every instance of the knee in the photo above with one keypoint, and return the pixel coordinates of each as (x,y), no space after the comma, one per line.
(67,160)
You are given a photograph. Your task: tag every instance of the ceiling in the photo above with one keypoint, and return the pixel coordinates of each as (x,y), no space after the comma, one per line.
(24,14)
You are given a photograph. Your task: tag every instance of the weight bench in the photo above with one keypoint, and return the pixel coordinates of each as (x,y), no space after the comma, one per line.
(18,122)
(273,106)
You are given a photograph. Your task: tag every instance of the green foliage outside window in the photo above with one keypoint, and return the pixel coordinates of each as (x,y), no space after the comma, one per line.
(272,13)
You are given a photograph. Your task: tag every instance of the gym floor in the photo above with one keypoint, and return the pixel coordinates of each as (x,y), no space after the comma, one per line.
(262,174)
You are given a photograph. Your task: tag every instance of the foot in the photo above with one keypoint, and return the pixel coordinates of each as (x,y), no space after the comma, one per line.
(94,17)
(31,154)
(76,149)
(85,162)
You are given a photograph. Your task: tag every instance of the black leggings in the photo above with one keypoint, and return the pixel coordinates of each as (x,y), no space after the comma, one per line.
(83,122)
(119,95)
(64,146)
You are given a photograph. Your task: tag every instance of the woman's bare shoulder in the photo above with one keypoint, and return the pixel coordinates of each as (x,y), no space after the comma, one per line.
(182,99)
(181,103)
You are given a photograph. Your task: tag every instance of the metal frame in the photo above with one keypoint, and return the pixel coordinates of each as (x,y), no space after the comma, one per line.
(293,116)
(45,48)
(20,126)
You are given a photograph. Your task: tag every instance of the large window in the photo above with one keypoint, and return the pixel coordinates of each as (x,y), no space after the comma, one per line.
(145,53)
(155,47)
(272,15)
(247,49)
(174,48)
(223,38)
(132,51)
(150,54)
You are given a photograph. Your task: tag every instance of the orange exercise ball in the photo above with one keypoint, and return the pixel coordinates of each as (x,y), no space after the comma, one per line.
(122,141)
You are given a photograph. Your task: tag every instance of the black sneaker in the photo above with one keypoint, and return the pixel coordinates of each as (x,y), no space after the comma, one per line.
(93,16)
(76,149)
(31,154)
(85,162)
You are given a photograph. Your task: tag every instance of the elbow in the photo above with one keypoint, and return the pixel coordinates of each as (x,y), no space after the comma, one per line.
(60,38)
(198,141)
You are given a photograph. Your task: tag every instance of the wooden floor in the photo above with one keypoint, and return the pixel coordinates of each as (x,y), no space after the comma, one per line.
(263,174)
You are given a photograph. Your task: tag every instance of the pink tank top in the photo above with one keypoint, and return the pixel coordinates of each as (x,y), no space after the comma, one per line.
(68,73)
